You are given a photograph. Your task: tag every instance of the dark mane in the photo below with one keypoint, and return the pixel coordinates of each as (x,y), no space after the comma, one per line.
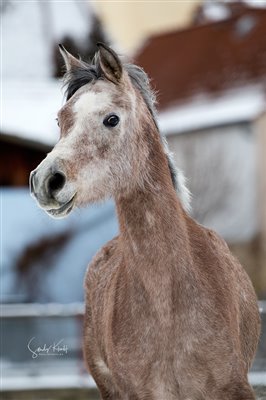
(140,80)
(87,73)
(79,77)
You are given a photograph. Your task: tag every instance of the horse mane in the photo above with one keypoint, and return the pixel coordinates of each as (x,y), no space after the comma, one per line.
(87,73)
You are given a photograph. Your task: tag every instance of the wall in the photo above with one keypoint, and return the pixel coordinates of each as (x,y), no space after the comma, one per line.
(131,22)
(17,160)
(221,166)
(260,132)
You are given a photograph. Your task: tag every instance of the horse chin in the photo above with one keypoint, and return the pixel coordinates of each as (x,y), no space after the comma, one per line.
(63,211)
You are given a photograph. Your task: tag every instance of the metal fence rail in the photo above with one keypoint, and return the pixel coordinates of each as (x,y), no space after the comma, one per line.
(18,376)
(42,310)
(58,310)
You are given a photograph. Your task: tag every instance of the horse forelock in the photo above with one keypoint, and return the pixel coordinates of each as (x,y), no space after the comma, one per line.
(79,77)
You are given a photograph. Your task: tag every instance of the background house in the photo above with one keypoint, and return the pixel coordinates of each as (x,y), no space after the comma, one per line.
(211,81)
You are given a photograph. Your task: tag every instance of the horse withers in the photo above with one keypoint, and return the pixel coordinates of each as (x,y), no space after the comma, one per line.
(170,313)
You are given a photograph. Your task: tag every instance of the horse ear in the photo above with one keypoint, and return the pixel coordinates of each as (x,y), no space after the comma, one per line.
(71,62)
(110,64)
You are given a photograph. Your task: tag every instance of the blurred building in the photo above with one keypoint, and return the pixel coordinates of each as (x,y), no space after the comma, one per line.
(211,81)
(210,78)
(129,23)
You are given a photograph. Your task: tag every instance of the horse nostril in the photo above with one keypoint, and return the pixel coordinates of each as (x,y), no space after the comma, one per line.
(56,182)
(32,181)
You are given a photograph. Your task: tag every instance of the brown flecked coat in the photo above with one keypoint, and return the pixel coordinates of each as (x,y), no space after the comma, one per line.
(170,313)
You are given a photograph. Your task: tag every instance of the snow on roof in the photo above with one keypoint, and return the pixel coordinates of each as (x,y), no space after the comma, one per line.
(216,11)
(256,3)
(29,110)
(204,112)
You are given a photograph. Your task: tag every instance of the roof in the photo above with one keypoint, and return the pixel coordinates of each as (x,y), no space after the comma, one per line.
(232,107)
(208,58)
(30,103)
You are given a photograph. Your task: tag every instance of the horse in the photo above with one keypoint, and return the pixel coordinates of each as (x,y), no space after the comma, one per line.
(169,312)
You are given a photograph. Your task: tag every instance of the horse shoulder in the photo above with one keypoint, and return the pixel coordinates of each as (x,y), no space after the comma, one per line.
(101,266)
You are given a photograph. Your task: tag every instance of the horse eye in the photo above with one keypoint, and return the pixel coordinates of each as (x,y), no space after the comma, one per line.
(111,120)
(57,122)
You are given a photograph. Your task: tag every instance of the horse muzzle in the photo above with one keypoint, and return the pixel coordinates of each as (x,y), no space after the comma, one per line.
(48,187)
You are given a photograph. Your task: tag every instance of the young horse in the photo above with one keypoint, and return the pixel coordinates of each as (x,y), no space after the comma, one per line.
(170,314)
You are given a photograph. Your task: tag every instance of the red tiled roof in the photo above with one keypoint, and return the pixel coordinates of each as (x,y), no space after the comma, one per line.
(207,58)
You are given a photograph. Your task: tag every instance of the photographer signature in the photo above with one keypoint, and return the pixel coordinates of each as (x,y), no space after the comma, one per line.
(55,349)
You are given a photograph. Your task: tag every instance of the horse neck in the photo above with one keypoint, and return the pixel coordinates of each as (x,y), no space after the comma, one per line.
(151,218)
